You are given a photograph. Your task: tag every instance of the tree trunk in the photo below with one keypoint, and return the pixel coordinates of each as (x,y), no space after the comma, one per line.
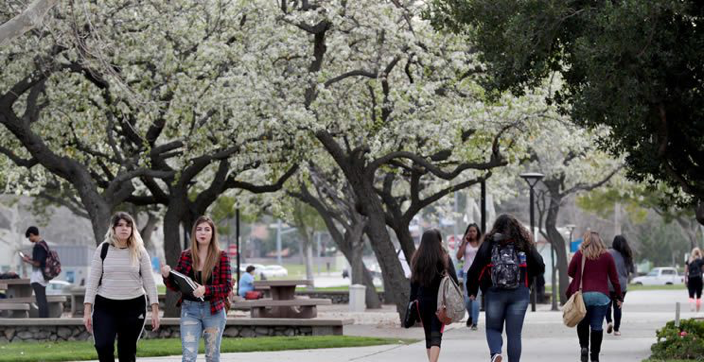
(172,249)
(405,239)
(148,230)
(699,212)
(396,286)
(308,246)
(558,242)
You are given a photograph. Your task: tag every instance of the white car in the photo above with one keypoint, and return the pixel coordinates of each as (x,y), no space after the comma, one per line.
(58,287)
(660,276)
(273,271)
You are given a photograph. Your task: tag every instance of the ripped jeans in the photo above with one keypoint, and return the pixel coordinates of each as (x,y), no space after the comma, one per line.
(196,320)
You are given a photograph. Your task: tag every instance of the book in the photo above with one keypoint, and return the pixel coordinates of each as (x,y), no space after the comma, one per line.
(185,284)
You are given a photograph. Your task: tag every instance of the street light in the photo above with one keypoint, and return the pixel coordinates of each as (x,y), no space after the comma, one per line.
(532,179)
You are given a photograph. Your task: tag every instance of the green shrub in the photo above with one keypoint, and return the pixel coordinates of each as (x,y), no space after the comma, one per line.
(683,342)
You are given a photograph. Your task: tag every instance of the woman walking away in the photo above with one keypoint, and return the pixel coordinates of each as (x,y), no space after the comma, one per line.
(693,278)
(503,269)
(599,269)
(468,251)
(115,302)
(209,267)
(428,265)
(623,257)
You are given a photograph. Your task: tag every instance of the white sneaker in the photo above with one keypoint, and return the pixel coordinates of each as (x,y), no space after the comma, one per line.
(497,358)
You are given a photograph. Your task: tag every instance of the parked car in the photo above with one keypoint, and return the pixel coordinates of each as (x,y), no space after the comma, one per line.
(660,276)
(274,271)
(266,271)
(58,287)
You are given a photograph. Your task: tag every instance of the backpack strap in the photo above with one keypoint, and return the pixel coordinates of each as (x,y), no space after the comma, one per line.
(103,254)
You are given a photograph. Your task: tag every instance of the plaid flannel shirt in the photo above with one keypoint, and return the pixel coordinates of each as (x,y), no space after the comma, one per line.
(221,278)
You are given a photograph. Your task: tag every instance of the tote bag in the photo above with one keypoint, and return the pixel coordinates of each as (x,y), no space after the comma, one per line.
(574,310)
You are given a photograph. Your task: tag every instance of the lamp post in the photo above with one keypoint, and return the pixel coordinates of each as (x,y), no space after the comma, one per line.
(532,179)
(237,242)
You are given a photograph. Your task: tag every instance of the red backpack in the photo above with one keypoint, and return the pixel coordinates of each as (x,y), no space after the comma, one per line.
(52,266)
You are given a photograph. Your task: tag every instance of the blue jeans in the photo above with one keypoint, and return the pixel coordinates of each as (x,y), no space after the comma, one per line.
(472,306)
(595,317)
(196,320)
(507,306)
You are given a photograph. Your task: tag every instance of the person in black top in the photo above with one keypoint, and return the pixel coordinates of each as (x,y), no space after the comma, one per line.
(504,268)
(693,278)
(428,265)
(38,261)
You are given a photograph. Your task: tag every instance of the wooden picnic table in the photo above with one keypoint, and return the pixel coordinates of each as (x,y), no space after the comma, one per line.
(283,302)
(20,301)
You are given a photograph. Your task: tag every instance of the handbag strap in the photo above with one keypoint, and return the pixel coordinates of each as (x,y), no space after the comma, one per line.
(581,275)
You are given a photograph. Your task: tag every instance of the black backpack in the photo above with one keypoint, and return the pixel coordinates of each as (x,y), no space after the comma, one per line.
(505,266)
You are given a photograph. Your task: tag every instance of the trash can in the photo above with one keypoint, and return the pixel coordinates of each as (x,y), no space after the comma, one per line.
(357,294)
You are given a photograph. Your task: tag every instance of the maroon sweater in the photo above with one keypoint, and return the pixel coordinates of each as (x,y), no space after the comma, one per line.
(596,275)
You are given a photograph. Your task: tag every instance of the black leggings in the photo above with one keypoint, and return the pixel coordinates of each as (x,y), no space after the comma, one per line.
(122,318)
(432,326)
(618,312)
(694,285)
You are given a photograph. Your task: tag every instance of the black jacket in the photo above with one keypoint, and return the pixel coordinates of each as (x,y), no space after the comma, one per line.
(479,274)
(429,295)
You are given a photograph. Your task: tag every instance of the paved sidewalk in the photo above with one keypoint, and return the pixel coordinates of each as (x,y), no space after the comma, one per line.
(545,339)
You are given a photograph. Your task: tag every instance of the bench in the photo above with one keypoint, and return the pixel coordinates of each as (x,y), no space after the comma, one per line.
(55,304)
(288,308)
(14,310)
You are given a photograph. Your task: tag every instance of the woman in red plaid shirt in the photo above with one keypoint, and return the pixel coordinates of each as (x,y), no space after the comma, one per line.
(209,267)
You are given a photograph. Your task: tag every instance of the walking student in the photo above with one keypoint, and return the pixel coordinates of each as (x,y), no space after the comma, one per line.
(38,262)
(115,302)
(209,267)
(468,251)
(599,269)
(428,265)
(693,279)
(503,269)
(623,257)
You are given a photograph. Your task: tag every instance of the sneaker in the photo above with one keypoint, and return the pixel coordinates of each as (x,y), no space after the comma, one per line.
(609,328)
(584,355)
(473,327)
(617,333)
(469,322)
(496,358)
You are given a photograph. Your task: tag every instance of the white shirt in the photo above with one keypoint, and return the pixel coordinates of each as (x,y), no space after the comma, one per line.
(37,277)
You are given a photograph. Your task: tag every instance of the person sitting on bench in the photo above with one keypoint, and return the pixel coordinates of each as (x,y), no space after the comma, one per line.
(246,285)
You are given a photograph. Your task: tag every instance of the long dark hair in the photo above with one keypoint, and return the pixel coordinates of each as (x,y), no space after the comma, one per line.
(428,258)
(621,245)
(511,229)
(479,231)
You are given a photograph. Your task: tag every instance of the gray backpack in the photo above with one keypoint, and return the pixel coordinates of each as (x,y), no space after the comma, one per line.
(505,266)
(451,306)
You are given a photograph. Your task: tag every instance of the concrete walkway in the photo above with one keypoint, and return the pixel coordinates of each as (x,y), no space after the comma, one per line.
(544,338)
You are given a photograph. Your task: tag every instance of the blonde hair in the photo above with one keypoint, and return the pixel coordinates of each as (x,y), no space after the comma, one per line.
(134,241)
(213,256)
(592,247)
(696,254)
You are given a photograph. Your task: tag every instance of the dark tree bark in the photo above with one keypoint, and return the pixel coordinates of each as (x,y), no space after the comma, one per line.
(351,242)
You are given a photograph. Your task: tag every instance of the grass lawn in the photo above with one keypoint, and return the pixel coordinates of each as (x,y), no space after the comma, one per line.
(633,287)
(81,351)
(672,360)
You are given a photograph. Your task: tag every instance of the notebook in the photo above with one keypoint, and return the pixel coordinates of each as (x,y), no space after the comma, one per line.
(185,284)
